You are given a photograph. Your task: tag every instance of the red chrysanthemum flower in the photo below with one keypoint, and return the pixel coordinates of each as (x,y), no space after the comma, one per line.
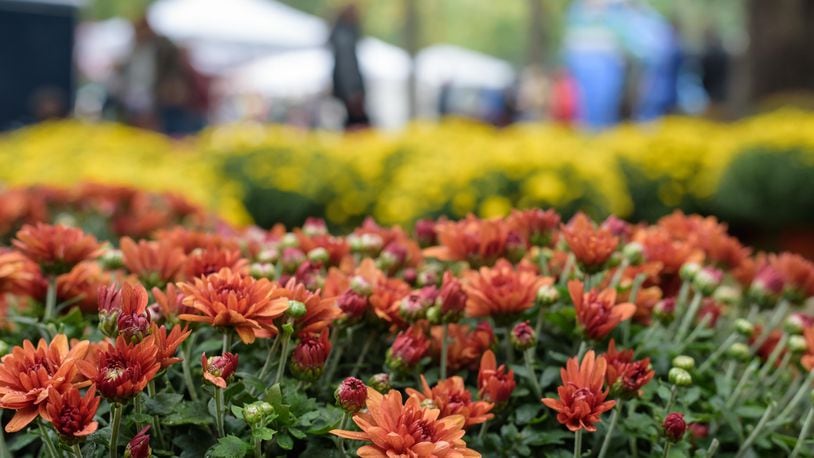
(591,246)
(624,373)
(581,398)
(501,291)
(495,383)
(139,445)
(154,263)
(351,395)
(408,348)
(133,320)
(535,226)
(217,370)
(309,355)
(231,300)
(451,397)
(121,370)
(57,249)
(598,313)
(71,413)
(27,373)
(798,275)
(394,429)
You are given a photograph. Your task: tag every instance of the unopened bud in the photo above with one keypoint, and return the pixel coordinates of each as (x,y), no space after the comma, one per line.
(707,280)
(679,377)
(380,382)
(674,426)
(797,343)
(112,259)
(684,362)
(738,351)
(252,413)
(319,255)
(261,270)
(360,286)
(794,324)
(547,295)
(689,270)
(744,327)
(289,240)
(351,395)
(268,256)
(634,253)
(727,295)
(523,336)
(296,309)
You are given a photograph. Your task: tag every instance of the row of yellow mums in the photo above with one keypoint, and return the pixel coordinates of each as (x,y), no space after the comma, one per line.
(454,167)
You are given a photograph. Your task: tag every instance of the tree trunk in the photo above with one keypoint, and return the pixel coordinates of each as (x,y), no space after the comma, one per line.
(411,33)
(536,33)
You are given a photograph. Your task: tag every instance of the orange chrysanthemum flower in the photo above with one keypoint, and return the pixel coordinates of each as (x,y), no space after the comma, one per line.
(190,240)
(205,261)
(121,370)
(395,429)
(27,373)
(319,312)
(659,246)
(501,291)
(154,263)
(80,285)
(231,300)
(624,373)
(479,242)
(581,398)
(465,345)
(535,226)
(170,302)
(168,343)
(451,397)
(495,383)
(71,413)
(591,246)
(384,300)
(57,249)
(598,313)
(18,274)
(797,273)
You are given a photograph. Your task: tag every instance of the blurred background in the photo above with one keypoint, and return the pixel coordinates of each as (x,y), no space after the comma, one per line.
(402,109)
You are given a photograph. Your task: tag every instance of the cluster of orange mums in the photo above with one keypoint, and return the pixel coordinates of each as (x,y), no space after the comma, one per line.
(441,298)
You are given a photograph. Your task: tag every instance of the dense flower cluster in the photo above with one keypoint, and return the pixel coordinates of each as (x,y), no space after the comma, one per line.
(447,343)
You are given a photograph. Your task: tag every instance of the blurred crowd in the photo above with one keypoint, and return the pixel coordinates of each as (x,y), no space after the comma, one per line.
(618,61)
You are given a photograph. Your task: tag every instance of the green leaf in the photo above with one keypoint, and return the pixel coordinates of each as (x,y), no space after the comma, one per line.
(162,404)
(525,413)
(189,413)
(550,375)
(229,447)
(550,437)
(237,411)
(265,434)
(18,442)
(297,433)
(285,441)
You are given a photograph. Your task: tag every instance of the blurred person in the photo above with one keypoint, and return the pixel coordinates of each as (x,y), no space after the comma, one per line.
(48,103)
(156,86)
(563,98)
(533,91)
(348,84)
(595,59)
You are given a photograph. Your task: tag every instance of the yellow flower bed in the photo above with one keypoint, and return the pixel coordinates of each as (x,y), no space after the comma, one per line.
(454,167)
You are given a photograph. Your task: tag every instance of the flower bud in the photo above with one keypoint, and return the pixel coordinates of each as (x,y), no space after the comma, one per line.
(134,327)
(291,260)
(426,277)
(515,247)
(111,259)
(797,343)
(410,275)
(523,336)
(412,307)
(393,256)
(296,309)
(767,285)
(367,244)
(380,382)
(4,347)
(409,347)
(684,362)
(314,227)
(217,370)
(139,445)
(352,304)
(634,253)
(707,279)
(319,255)
(794,324)
(547,295)
(679,377)
(689,270)
(289,240)
(360,286)
(451,299)
(727,295)
(744,327)
(674,426)
(739,351)
(309,356)
(425,233)
(261,270)
(268,256)
(665,309)
(351,395)
(699,431)
(252,414)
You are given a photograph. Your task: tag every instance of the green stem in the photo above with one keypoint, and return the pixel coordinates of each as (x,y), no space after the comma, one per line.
(566,270)
(713,448)
(507,346)
(538,327)
(689,315)
(578,444)
(444,350)
(334,360)
(747,374)
(283,358)
(185,367)
(4,452)
(636,287)
(50,299)
(227,342)
(755,432)
(137,409)
(801,392)
(672,401)
(77,452)
(46,439)
(681,300)
(695,333)
(582,347)
(617,275)
(371,337)
(767,366)
(258,452)
(781,369)
(482,432)
(115,423)
(778,316)
(803,433)
(667,446)
(156,423)
(219,412)
(609,433)
(528,357)
(271,352)
(713,358)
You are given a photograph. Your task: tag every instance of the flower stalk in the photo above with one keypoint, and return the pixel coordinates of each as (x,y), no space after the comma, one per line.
(115,424)
(445,350)
(50,299)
